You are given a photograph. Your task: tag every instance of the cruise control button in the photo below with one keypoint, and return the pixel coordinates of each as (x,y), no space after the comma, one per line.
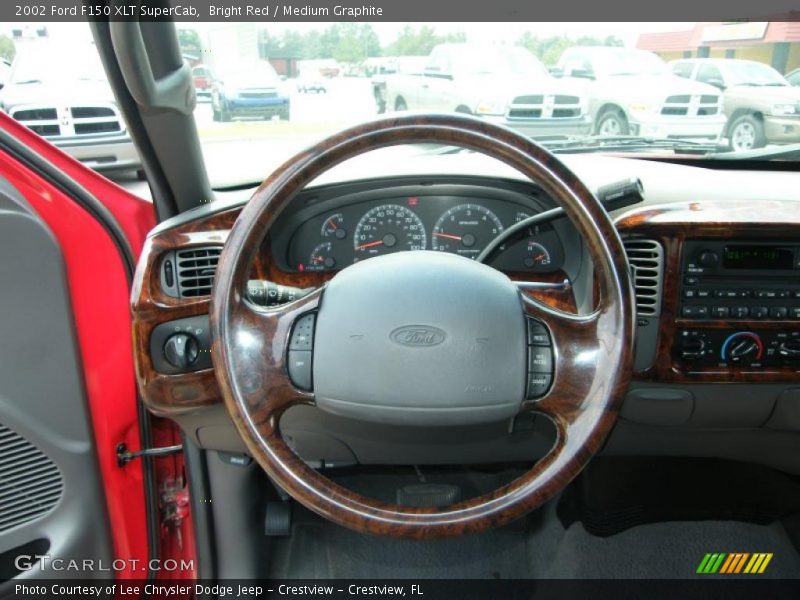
(537,333)
(299,365)
(540,360)
(538,384)
(303,333)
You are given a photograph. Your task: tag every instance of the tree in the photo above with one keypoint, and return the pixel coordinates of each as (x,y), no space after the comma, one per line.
(7,49)
(549,49)
(189,42)
(412,42)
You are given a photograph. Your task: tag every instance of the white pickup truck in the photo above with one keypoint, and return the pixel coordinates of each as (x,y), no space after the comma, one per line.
(505,84)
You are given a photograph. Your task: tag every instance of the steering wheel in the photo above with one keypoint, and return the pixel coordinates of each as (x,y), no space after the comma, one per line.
(424,338)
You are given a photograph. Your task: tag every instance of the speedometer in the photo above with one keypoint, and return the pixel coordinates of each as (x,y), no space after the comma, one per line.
(388,228)
(465,229)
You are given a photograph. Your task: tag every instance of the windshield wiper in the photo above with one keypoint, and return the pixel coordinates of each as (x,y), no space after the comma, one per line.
(623,143)
(785,152)
(24,81)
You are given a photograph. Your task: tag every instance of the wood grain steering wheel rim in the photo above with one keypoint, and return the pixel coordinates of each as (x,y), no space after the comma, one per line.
(593,354)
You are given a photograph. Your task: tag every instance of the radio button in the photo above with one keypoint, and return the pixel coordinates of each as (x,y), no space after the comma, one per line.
(726,294)
(695,312)
(689,293)
(703,293)
(720,312)
(759,312)
(796,312)
(740,312)
(778,312)
(769,294)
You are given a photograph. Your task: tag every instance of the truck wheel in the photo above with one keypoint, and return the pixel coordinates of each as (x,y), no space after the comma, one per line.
(746,133)
(224,115)
(612,122)
(215,116)
(400,104)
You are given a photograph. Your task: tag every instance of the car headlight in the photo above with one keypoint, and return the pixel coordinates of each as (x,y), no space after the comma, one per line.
(490,107)
(784,109)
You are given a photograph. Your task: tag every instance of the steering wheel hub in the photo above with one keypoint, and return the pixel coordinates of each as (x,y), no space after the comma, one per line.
(420,338)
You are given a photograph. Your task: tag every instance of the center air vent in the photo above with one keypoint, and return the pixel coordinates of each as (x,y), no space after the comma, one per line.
(189,273)
(646,258)
(30,483)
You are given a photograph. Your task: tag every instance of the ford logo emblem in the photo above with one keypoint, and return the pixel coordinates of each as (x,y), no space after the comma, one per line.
(418,335)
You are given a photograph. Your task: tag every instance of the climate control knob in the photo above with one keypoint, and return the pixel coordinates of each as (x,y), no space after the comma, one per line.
(743,347)
(790,350)
(693,348)
(181,350)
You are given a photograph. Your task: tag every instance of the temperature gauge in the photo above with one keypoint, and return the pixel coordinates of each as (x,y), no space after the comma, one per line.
(536,256)
(333,226)
(321,258)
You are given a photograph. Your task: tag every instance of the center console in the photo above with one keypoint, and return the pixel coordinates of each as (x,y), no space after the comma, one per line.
(739,305)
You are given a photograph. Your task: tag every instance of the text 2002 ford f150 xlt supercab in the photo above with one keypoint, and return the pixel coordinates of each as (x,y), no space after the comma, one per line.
(503,84)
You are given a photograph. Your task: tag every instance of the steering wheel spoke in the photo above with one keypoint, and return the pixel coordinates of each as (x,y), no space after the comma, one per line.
(259,352)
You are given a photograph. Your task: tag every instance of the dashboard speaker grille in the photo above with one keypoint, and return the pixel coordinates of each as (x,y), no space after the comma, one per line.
(30,483)
(196,268)
(646,258)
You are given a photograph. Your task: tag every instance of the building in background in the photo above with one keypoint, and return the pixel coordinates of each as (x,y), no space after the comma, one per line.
(776,44)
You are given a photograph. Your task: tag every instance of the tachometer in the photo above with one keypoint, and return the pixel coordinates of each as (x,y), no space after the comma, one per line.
(388,228)
(465,229)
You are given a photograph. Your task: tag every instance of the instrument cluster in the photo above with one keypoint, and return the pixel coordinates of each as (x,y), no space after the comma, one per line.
(460,225)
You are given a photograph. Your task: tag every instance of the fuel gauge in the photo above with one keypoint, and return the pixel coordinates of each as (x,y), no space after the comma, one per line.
(333,226)
(321,258)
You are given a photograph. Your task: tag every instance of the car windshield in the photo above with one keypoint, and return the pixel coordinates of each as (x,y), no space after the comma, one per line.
(497,61)
(268,89)
(44,62)
(755,74)
(612,63)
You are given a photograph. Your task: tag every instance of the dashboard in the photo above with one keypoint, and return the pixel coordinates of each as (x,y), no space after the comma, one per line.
(718,335)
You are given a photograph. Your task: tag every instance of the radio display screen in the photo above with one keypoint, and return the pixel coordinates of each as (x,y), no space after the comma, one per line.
(758,257)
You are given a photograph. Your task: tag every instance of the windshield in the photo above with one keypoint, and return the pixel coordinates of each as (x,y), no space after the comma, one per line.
(44,62)
(266,90)
(755,74)
(628,62)
(502,60)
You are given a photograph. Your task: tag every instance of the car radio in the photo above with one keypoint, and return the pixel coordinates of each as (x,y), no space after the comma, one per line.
(741,280)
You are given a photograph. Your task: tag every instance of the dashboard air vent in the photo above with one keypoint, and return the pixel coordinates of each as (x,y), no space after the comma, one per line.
(646,258)
(30,483)
(195,269)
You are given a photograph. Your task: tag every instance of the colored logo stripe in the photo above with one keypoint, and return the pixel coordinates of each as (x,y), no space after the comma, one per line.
(734,563)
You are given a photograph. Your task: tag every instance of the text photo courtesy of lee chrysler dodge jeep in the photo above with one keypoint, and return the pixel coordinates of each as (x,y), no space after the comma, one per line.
(760,105)
(633,92)
(504,84)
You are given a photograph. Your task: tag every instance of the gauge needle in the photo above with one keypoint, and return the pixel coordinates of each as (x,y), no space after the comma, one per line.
(540,257)
(370,244)
(447,235)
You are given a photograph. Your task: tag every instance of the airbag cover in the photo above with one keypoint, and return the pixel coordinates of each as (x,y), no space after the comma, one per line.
(420,338)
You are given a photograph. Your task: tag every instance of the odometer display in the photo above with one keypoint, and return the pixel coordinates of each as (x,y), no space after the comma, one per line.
(465,229)
(388,228)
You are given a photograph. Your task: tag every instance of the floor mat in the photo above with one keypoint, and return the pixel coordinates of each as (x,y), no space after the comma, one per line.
(324,550)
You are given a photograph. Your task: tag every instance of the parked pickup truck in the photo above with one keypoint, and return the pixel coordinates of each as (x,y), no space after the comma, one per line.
(505,84)
(633,92)
(760,105)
